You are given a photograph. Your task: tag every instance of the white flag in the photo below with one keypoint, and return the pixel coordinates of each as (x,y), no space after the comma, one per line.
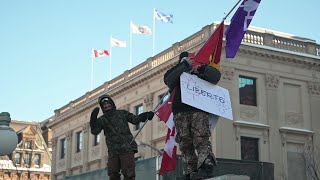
(163,17)
(117,43)
(140,29)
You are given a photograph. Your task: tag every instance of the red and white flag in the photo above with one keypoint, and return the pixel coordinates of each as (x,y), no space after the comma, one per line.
(165,114)
(117,43)
(100,53)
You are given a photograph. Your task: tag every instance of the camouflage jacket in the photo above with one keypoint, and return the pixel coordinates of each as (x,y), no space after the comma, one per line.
(116,130)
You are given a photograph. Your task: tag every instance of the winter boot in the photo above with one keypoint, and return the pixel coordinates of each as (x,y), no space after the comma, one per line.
(203,173)
(205,170)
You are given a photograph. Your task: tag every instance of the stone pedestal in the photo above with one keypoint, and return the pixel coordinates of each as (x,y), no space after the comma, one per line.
(230,177)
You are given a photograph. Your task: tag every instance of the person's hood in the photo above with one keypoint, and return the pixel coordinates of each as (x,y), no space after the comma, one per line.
(108,98)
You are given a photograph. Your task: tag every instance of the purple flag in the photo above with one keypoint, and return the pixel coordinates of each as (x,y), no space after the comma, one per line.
(239,25)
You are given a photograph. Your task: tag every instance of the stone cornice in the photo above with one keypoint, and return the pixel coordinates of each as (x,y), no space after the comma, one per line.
(280,56)
(129,84)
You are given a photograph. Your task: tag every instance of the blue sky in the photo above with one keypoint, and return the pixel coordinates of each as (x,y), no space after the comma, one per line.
(46,45)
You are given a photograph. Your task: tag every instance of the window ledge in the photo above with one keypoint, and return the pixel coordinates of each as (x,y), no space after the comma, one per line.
(295,130)
(251,124)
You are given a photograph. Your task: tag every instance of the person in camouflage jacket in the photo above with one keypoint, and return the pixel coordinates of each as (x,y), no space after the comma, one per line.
(192,124)
(118,137)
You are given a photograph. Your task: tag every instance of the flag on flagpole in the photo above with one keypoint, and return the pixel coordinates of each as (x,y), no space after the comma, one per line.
(163,17)
(100,53)
(210,52)
(117,43)
(145,30)
(165,114)
(239,25)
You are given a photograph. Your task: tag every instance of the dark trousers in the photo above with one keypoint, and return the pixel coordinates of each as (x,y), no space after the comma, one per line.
(124,162)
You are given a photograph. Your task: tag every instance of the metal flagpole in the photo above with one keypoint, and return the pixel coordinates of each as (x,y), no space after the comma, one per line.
(110,58)
(231,10)
(224,19)
(154,31)
(91,68)
(160,102)
(130,44)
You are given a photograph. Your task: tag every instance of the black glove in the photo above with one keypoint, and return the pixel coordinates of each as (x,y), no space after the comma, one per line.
(94,115)
(201,69)
(150,115)
(146,115)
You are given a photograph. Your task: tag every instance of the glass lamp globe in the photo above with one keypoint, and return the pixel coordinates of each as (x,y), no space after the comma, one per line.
(8,137)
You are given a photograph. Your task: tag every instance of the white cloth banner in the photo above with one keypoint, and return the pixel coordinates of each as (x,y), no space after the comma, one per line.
(135,29)
(117,43)
(205,96)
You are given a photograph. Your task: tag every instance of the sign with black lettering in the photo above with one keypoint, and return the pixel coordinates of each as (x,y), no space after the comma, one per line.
(205,96)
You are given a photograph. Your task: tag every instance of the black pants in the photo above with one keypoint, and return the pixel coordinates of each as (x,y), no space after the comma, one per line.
(124,162)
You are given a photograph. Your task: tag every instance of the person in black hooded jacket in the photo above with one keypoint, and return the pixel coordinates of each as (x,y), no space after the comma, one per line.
(192,124)
(118,137)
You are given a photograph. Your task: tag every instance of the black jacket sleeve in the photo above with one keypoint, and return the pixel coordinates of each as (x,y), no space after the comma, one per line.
(95,124)
(136,119)
(172,76)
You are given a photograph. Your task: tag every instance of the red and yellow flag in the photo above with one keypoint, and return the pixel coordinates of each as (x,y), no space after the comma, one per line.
(210,53)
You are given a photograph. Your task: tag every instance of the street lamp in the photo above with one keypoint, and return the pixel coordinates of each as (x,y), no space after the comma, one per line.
(8,137)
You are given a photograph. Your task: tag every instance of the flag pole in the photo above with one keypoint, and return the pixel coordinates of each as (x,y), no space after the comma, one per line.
(154,31)
(155,109)
(231,10)
(110,58)
(130,44)
(225,17)
(91,68)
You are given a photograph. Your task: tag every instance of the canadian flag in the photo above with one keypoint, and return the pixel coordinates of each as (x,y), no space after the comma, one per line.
(165,114)
(100,53)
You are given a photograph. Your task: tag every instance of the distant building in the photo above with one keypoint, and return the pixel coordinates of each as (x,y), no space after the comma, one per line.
(274,84)
(31,159)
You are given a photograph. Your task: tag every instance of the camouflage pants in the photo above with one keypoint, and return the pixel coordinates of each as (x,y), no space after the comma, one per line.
(193,135)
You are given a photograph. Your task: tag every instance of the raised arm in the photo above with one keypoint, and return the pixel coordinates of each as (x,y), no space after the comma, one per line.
(172,76)
(95,122)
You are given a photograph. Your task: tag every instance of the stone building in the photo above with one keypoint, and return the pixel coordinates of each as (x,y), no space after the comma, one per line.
(31,160)
(274,84)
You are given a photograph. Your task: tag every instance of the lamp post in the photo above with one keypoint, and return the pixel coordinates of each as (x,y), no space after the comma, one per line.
(8,137)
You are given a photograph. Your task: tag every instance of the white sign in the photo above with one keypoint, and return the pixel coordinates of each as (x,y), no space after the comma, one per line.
(205,96)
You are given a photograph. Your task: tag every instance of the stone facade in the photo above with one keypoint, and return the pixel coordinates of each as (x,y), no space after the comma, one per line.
(284,120)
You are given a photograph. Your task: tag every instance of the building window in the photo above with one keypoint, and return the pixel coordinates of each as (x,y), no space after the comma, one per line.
(138,110)
(163,97)
(28,159)
(79,141)
(37,158)
(17,158)
(27,145)
(249,148)
(96,140)
(247,91)
(63,148)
